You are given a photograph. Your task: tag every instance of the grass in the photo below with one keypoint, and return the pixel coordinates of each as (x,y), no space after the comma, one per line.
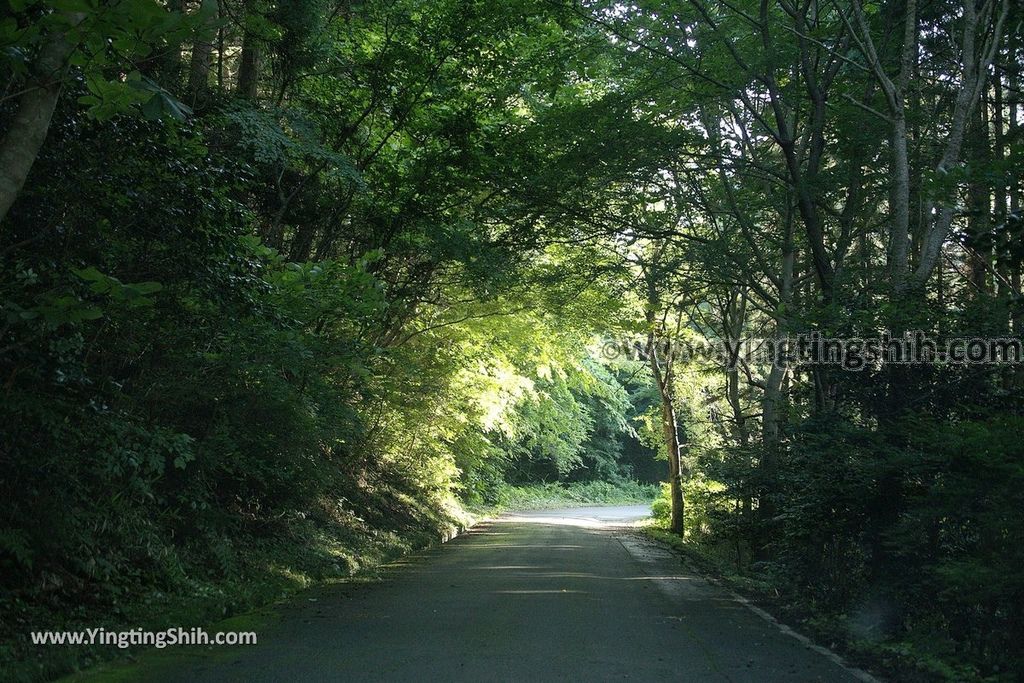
(539,496)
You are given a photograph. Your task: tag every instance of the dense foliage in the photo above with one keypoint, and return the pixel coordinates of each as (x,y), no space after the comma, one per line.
(276,277)
(854,170)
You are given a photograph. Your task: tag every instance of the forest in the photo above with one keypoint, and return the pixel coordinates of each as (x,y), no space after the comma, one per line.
(288,287)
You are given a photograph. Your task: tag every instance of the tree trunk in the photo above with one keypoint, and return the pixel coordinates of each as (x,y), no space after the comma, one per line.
(31,121)
(978,239)
(249,66)
(899,199)
(302,243)
(661,371)
(975,72)
(171,62)
(1013,192)
(733,319)
(670,427)
(202,50)
(772,398)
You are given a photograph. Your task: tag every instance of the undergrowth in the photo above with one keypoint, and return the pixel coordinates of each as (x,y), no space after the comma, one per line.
(538,496)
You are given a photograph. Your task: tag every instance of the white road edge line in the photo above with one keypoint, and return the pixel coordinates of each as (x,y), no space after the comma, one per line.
(859,674)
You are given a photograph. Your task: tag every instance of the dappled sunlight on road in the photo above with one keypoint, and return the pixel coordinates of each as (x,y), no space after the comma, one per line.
(515,545)
(555,591)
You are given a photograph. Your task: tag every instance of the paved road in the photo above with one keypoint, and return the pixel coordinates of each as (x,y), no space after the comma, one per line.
(568,595)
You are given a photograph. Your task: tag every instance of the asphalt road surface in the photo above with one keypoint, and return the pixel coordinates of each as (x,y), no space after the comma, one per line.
(559,595)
